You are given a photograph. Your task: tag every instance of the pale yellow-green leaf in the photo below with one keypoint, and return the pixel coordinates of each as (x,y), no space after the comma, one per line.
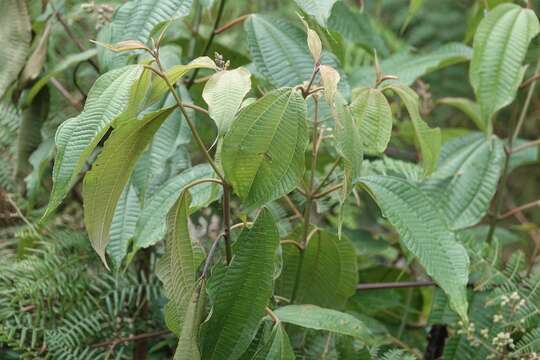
(224,93)
(329,79)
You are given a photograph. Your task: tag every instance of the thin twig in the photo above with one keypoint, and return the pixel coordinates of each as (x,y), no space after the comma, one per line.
(518,209)
(292,242)
(327,191)
(230,24)
(70,98)
(139,337)
(272,315)
(327,176)
(395,285)
(196,108)
(526,146)
(72,36)
(210,40)
(293,207)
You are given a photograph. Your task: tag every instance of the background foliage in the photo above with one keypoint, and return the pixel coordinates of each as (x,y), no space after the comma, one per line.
(430,135)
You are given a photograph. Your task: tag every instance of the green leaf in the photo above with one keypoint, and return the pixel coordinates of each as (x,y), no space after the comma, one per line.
(466,181)
(15,37)
(318,318)
(319,9)
(123,225)
(77,137)
(177,268)
(428,139)
(469,108)
(151,226)
(280,52)
(278,348)
(104,184)
(329,272)
(263,152)
(356,27)
(409,67)
(242,293)
(373,116)
(136,20)
(424,232)
(348,139)
(188,344)
(224,93)
(499,48)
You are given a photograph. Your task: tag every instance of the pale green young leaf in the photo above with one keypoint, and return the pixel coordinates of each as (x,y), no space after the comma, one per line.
(77,137)
(428,139)
(329,80)
(123,225)
(318,318)
(151,226)
(104,183)
(224,93)
(319,9)
(468,107)
(499,48)
(349,142)
(15,37)
(466,181)
(175,73)
(414,7)
(263,152)
(242,292)
(177,268)
(408,66)
(373,116)
(329,272)
(278,347)
(425,233)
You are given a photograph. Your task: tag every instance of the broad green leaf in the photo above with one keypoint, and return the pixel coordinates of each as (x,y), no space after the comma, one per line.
(67,62)
(15,37)
(77,137)
(329,272)
(104,184)
(468,107)
(393,167)
(123,225)
(224,93)
(428,139)
(356,27)
(373,116)
(466,181)
(242,292)
(349,141)
(280,52)
(499,48)
(319,9)
(151,226)
(175,73)
(424,232)
(318,318)
(136,20)
(263,152)
(278,347)
(177,268)
(408,67)
(188,341)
